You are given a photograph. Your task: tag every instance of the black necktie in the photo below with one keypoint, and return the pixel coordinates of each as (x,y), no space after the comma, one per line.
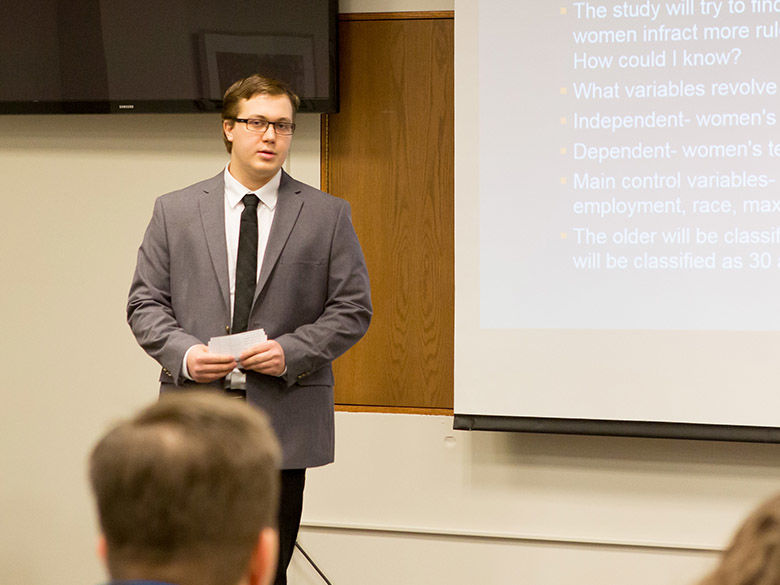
(246,264)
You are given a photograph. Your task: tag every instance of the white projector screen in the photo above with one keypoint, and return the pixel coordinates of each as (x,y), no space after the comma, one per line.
(618,215)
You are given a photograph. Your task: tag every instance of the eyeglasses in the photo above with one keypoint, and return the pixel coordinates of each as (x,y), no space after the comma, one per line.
(260,125)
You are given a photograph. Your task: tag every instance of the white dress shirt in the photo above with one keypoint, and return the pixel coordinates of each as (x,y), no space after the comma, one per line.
(234,193)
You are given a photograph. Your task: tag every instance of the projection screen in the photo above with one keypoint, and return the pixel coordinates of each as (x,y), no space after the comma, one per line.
(618,217)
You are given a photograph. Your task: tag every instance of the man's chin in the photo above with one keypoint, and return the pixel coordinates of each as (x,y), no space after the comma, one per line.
(266,171)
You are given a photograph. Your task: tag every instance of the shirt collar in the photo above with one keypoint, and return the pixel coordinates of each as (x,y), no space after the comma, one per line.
(268,193)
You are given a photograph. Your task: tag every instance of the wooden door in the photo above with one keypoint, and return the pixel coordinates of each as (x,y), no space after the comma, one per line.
(390,153)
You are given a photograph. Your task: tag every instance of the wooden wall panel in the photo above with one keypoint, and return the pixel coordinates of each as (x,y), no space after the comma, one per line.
(390,153)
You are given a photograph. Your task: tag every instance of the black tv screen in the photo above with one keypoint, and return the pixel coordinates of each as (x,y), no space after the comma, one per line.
(115,56)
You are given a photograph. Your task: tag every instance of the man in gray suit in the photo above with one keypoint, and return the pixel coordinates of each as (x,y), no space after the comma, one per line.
(311,293)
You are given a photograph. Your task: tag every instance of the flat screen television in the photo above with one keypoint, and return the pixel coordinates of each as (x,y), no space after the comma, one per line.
(115,56)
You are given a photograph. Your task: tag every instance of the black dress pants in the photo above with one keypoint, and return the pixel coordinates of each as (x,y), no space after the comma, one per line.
(290,508)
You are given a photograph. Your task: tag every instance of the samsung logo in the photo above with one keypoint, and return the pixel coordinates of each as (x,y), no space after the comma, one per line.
(126,106)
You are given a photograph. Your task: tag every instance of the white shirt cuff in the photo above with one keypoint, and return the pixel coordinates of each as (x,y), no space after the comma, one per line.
(184,371)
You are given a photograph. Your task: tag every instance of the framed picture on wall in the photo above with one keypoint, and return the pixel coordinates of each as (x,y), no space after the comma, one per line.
(228,57)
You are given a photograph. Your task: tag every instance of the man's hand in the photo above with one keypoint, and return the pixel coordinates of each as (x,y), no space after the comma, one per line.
(264,358)
(204,366)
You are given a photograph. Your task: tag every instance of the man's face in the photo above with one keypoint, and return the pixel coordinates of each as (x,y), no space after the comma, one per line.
(257,156)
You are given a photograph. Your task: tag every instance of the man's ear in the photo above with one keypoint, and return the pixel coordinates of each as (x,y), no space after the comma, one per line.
(227,128)
(102,548)
(262,565)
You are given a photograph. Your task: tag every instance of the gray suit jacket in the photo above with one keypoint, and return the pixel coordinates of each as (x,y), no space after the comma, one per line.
(312,297)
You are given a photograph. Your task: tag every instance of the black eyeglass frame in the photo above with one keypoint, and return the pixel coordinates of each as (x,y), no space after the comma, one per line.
(246,122)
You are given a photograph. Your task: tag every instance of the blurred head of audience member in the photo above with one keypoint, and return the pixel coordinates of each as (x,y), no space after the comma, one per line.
(187,491)
(753,556)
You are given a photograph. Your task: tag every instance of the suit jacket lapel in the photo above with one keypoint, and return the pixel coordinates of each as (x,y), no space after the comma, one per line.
(288,206)
(212,214)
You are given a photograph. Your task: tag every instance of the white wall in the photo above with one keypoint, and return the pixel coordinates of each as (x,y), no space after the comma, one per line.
(408,500)
(77,195)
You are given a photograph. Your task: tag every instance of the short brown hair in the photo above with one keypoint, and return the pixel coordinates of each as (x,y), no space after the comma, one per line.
(753,557)
(247,88)
(185,487)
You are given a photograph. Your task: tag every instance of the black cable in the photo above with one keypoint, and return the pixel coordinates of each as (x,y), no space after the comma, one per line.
(312,563)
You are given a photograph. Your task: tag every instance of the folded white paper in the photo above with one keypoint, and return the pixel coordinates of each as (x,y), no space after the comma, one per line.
(237,343)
